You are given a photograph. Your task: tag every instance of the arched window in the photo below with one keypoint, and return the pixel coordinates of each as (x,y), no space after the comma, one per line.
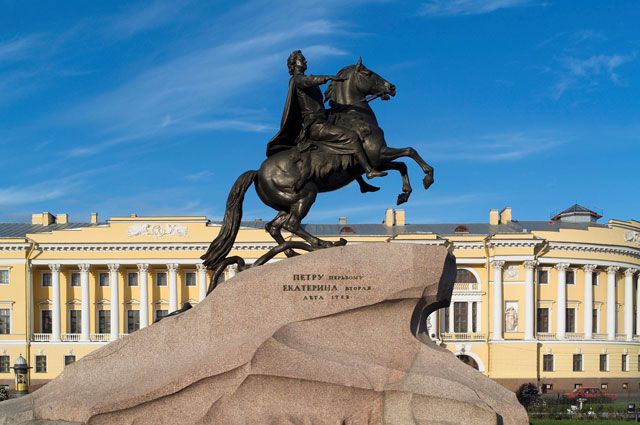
(465,276)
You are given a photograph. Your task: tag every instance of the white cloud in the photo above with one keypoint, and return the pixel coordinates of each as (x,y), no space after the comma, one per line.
(496,147)
(199,176)
(439,8)
(18,48)
(138,19)
(591,71)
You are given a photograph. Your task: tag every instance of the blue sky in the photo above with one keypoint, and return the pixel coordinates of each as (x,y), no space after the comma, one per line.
(156,107)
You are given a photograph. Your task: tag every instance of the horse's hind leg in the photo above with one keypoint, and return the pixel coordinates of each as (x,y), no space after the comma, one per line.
(274,228)
(400,167)
(389,154)
(299,211)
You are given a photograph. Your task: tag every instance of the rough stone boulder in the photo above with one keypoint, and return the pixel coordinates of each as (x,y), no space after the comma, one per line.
(327,338)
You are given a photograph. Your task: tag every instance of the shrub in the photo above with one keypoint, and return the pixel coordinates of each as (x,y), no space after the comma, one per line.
(528,395)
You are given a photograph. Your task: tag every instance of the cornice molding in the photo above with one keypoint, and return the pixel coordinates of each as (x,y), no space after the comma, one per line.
(166,246)
(14,246)
(597,248)
(514,243)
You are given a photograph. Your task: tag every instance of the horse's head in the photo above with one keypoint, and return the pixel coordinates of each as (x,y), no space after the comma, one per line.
(360,83)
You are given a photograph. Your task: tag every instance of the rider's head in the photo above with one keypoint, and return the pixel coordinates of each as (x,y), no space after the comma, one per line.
(296,62)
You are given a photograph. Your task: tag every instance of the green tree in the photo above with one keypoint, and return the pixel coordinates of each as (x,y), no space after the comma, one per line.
(528,395)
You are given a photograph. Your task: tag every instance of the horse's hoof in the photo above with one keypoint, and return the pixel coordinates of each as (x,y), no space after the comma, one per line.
(427,181)
(341,242)
(402,198)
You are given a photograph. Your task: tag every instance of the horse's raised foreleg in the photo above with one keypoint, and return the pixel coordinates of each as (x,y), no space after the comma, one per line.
(389,154)
(400,167)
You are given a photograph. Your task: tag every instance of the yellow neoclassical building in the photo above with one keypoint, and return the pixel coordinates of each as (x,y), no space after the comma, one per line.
(553,302)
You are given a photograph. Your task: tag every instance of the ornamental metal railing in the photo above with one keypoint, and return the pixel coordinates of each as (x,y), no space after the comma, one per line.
(462,336)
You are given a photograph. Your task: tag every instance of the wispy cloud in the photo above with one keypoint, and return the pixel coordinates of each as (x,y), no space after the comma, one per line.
(590,71)
(141,18)
(497,147)
(38,192)
(18,48)
(438,8)
(199,176)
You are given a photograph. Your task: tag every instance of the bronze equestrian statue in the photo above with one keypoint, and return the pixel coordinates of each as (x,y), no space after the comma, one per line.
(315,151)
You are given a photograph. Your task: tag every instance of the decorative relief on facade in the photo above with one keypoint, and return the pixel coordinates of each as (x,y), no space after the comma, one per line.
(512,272)
(157,230)
(632,236)
(511,316)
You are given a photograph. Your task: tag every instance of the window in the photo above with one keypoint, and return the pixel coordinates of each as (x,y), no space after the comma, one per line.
(46,279)
(604,386)
(570,277)
(460,317)
(570,316)
(444,320)
(595,278)
(103,279)
(625,363)
(75,279)
(543,277)
(4,277)
(604,362)
(5,364)
(161,313)
(594,321)
(638,362)
(104,321)
(547,362)
(543,320)
(577,362)
(474,317)
(5,321)
(45,321)
(161,279)
(133,320)
(190,279)
(465,276)
(75,321)
(132,279)
(69,358)
(576,386)
(41,364)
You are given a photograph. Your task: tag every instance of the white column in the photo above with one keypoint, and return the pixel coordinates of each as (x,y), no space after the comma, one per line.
(115,301)
(202,281)
(55,299)
(611,302)
(497,300)
(173,287)
(469,317)
(588,300)
(638,306)
(561,314)
(144,294)
(451,319)
(529,298)
(86,306)
(628,302)
(232,270)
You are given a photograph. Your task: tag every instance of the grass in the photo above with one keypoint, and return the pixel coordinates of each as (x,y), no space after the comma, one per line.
(579,422)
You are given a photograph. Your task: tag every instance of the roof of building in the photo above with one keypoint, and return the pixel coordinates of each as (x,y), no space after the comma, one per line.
(512,227)
(576,209)
(20,230)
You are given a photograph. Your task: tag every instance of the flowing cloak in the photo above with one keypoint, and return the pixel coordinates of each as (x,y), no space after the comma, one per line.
(290,125)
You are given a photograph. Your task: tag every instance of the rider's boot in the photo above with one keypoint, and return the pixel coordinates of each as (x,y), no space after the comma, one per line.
(368,169)
(366,187)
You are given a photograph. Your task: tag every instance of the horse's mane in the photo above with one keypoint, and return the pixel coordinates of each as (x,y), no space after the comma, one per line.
(331,90)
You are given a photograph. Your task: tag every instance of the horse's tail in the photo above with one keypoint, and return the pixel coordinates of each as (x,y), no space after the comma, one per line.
(222,244)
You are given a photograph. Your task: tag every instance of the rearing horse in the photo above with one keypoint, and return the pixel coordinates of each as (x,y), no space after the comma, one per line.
(289,181)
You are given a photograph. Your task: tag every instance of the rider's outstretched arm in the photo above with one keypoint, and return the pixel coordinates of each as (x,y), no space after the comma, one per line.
(306,81)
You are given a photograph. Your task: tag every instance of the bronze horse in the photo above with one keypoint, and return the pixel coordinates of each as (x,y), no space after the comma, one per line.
(289,180)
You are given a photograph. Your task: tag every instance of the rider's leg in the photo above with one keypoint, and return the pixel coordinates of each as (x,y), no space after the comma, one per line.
(366,187)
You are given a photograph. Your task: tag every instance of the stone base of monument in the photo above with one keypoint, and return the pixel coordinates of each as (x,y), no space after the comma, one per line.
(327,338)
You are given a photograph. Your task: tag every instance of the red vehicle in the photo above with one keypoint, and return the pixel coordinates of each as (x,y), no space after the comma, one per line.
(589,393)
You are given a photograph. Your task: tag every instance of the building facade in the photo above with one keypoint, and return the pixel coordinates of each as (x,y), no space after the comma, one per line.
(550,302)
